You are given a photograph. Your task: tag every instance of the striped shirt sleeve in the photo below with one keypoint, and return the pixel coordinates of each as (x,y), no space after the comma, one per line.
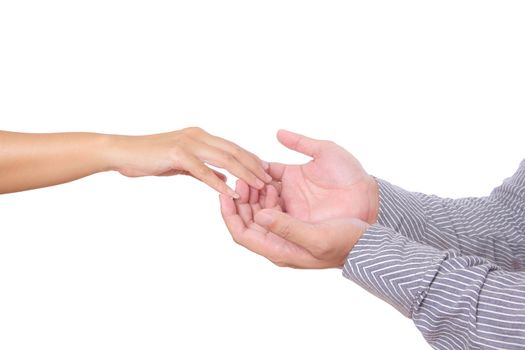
(491,227)
(457,301)
(456,267)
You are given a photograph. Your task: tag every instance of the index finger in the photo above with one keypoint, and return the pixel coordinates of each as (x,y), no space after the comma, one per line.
(201,172)
(246,158)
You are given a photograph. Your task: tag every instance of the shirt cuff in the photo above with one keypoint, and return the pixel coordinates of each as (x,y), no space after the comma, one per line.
(393,267)
(401,210)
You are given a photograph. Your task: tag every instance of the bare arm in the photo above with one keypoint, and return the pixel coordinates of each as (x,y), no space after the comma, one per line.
(29,161)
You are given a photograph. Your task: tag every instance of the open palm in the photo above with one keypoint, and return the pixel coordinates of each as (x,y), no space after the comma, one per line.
(239,216)
(287,241)
(332,185)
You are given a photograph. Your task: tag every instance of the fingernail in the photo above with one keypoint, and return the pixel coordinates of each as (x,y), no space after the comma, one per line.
(233,194)
(259,184)
(264,219)
(268,178)
(265,165)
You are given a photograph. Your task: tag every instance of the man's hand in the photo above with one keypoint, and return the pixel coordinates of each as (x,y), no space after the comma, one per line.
(257,222)
(333,185)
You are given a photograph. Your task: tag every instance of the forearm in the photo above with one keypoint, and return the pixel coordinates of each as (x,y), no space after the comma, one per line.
(456,301)
(29,161)
(489,227)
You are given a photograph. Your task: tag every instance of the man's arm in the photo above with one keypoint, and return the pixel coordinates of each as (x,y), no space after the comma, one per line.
(457,301)
(29,161)
(491,227)
(334,185)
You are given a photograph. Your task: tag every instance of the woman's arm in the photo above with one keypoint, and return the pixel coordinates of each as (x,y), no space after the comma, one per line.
(29,161)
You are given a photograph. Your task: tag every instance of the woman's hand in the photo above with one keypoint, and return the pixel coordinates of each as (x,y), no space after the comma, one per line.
(29,161)
(187,152)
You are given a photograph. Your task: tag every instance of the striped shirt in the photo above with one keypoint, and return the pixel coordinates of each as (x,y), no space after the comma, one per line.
(456,267)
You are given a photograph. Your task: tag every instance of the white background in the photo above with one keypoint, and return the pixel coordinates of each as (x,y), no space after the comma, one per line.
(428,95)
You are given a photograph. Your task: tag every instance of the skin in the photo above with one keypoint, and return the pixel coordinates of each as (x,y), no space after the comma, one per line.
(313,214)
(29,161)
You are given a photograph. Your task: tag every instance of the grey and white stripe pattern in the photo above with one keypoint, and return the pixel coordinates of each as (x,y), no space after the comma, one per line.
(456,267)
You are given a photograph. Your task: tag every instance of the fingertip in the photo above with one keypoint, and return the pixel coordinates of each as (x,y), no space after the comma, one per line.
(263,175)
(230,193)
(281,132)
(233,194)
(243,189)
(267,177)
(259,184)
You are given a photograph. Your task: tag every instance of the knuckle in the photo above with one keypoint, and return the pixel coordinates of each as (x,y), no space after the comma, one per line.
(286,230)
(193,131)
(179,143)
(227,158)
(237,151)
(201,171)
(329,143)
(322,249)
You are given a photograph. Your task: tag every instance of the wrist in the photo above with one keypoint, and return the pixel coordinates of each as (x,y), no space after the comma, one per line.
(111,151)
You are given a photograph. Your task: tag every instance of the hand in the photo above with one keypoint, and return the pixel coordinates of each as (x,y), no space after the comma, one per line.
(256,221)
(333,185)
(186,152)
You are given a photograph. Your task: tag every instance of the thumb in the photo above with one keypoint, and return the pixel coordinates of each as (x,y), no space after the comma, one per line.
(300,143)
(287,227)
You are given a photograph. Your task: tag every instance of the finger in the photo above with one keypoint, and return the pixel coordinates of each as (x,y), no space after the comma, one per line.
(249,160)
(255,240)
(223,159)
(271,198)
(276,170)
(291,229)
(227,206)
(262,242)
(233,221)
(300,143)
(278,186)
(243,190)
(206,175)
(242,204)
(174,172)
(256,204)
(245,212)
(254,196)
